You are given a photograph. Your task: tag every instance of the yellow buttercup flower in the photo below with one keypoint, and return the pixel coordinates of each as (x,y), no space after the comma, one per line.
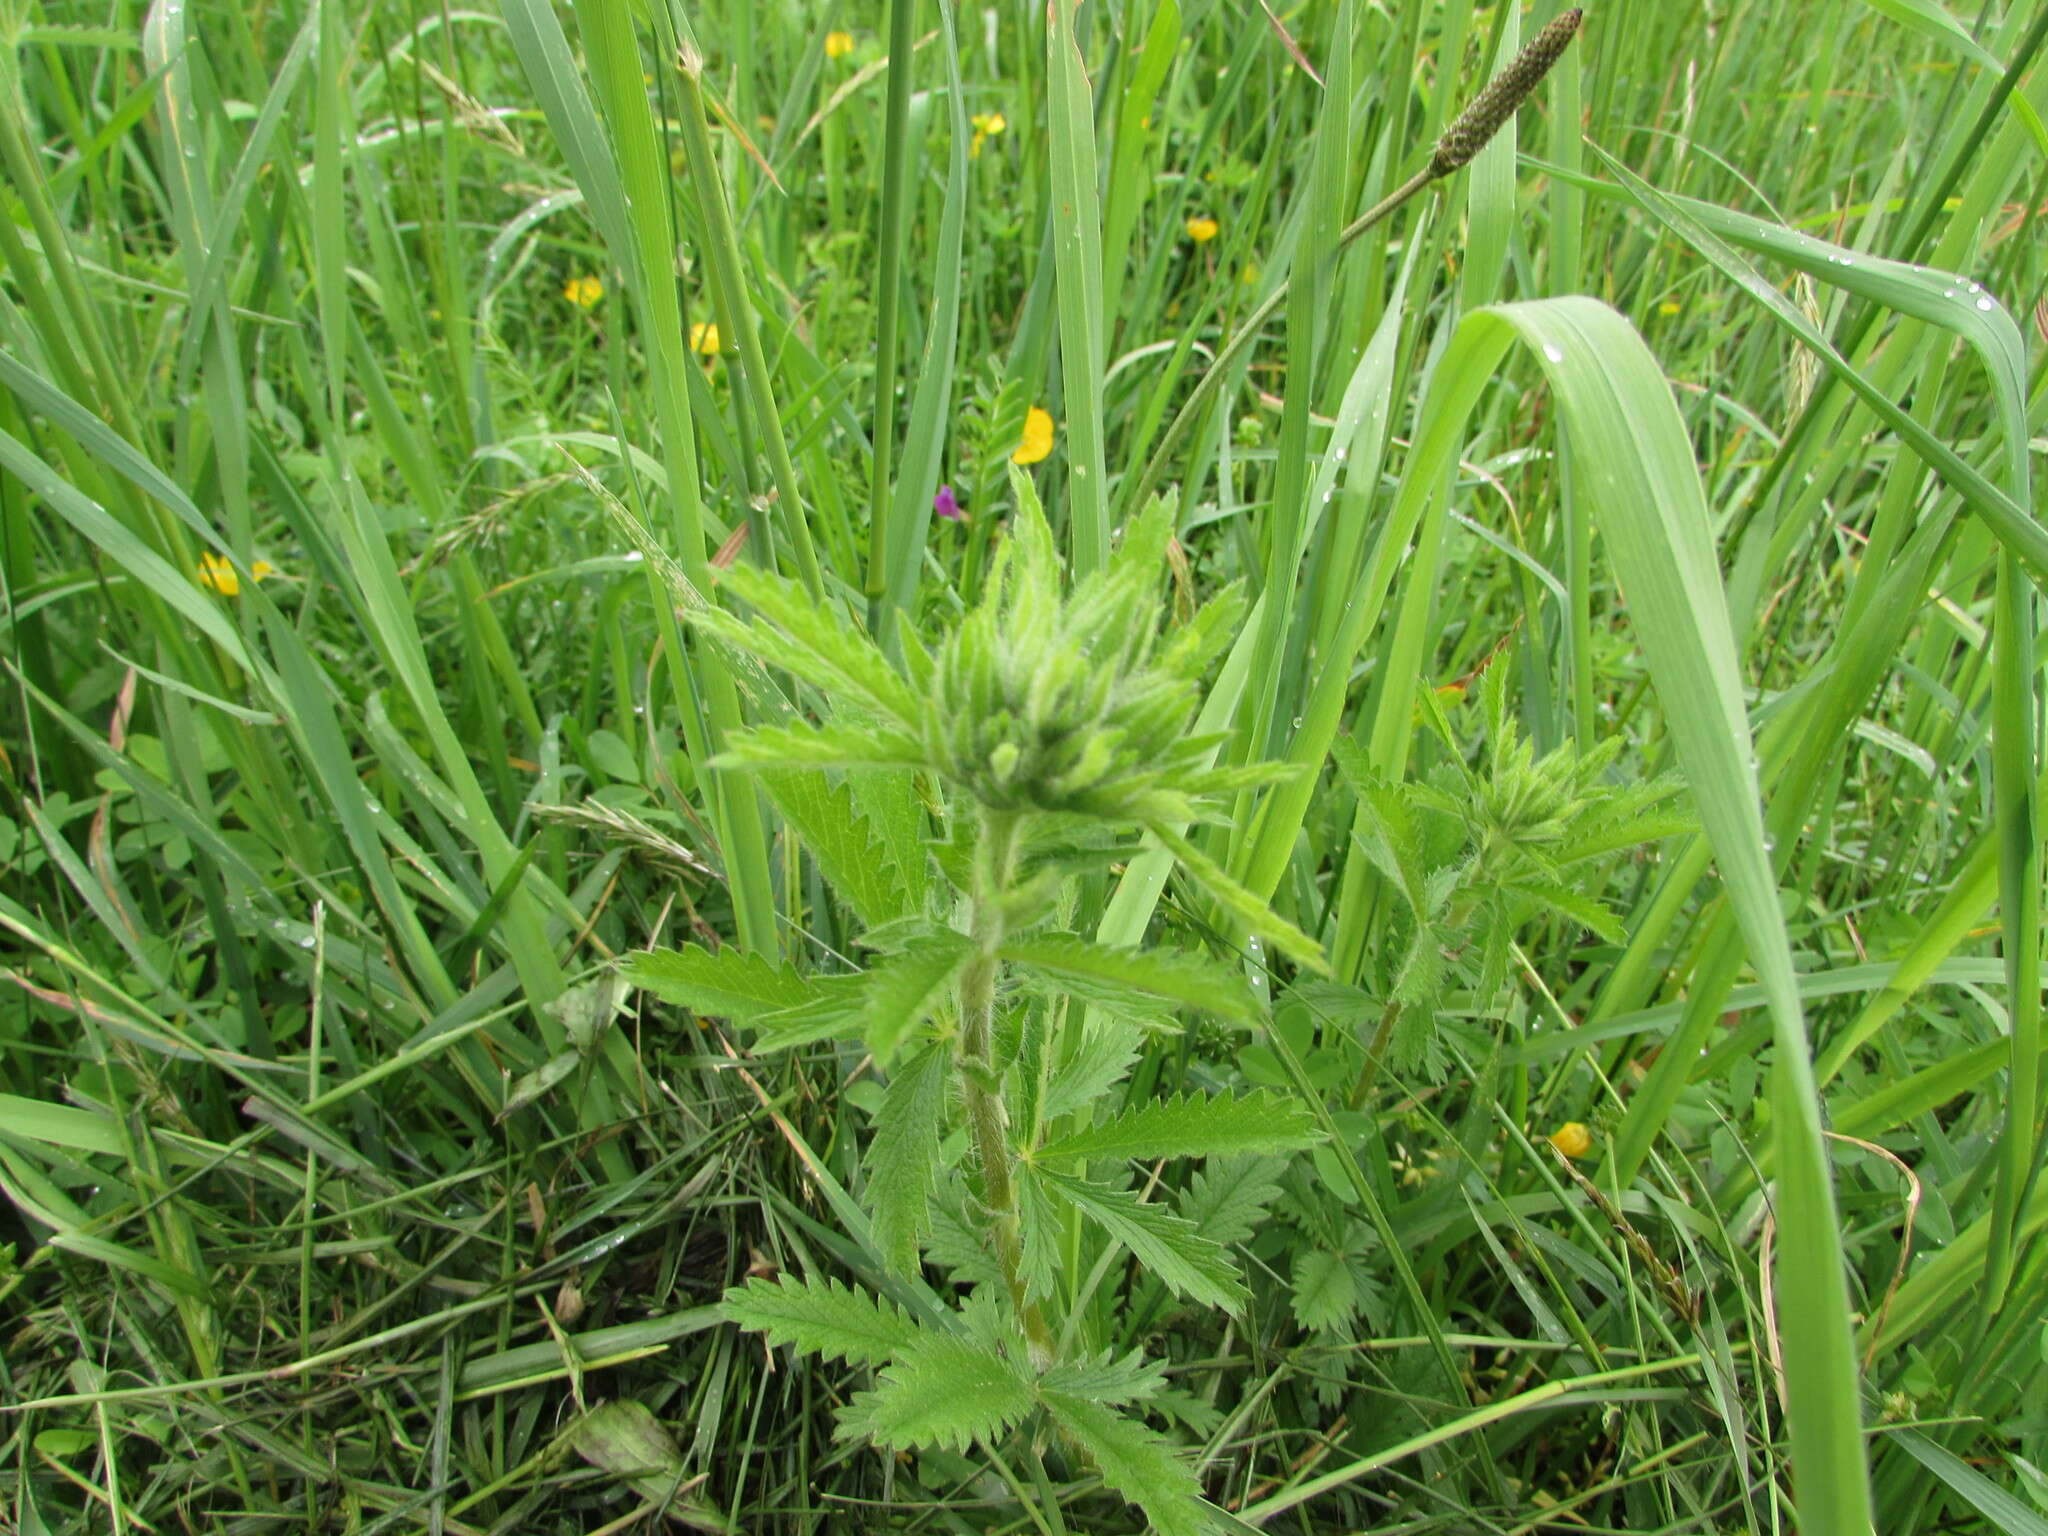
(704,338)
(838,44)
(583,291)
(1037,437)
(216,573)
(1572,1139)
(986,126)
(1202,229)
(1669,307)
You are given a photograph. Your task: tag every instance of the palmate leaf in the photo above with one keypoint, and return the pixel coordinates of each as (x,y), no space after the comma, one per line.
(907,986)
(1098,974)
(1227,1198)
(1102,1062)
(903,1159)
(726,985)
(1196,1126)
(1186,1262)
(823,1317)
(1324,1297)
(1137,1461)
(943,1391)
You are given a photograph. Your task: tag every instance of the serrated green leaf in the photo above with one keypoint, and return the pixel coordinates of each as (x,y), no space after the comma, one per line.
(1195,1127)
(859,866)
(942,1391)
(1323,1295)
(1185,1261)
(1188,979)
(1102,1062)
(834,1009)
(823,1317)
(815,643)
(1039,1230)
(819,746)
(1239,904)
(1581,909)
(1226,1198)
(727,985)
(903,1159)
(906,987)
(1106,1379)
(1138,1462)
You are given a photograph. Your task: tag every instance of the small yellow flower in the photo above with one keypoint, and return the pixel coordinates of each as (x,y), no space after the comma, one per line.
(1202,229)
(1249,274)
(704,338)
(583,291)
(1037,437)
(838,44)
(1572,1139)
(986,126)
(1669,307)
(216,573)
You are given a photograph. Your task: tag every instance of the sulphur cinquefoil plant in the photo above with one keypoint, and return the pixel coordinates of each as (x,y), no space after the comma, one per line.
(1049,732)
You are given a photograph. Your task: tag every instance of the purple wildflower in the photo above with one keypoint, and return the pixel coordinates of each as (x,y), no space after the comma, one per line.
(946,505)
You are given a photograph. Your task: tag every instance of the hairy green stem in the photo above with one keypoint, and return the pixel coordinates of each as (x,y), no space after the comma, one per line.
(981,1087)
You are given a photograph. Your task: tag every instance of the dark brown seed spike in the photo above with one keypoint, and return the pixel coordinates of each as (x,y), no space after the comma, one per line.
(1504,95)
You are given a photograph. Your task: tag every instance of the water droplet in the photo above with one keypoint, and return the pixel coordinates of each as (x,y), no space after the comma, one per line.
(1986,304)
(1297,722)
(633,556)
(1554,352)
(306,942)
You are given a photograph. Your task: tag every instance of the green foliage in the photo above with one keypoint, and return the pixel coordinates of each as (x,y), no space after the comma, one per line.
(361,473)
(1480,850)
(1052,723)
(823,1317)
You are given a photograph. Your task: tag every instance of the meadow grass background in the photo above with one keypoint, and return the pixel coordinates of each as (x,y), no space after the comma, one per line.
(379,381)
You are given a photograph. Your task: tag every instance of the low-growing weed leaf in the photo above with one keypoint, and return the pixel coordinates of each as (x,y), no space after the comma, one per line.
(819,746)
(834,1010)
(1226,1198)
(1196,1126)
(903,1159)
(860,868)
(1102,1062)
(823,1317)
(1324,1298)
(726,985)
(1191,980)
(941,1391)
(1038,1230)
(1106,1379)
(1239,904)
(1138,1462)
(1188,1263)
(907,986)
